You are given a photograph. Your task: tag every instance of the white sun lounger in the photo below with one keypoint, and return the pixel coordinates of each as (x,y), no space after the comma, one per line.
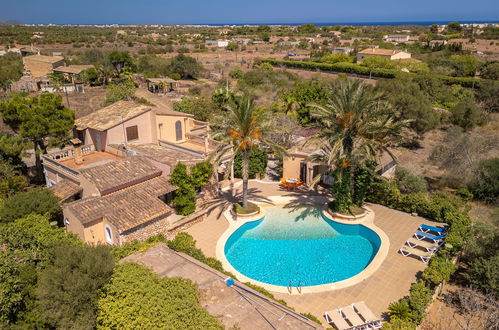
(353,317)
(423,255)
(368,316)
(428,246)
(335,318)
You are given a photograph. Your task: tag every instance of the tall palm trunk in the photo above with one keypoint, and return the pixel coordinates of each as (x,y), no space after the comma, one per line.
(245,170)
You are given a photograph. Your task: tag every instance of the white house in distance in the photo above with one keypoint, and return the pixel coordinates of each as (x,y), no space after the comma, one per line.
(396,38)
(216,43)
(391,54)
(344,50)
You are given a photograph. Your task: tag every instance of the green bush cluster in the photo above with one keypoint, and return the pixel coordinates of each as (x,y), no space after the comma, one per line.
(335,67)
(184,200)
(135,297)
(353,68)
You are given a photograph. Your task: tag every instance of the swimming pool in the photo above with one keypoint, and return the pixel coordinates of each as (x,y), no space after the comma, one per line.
(301,246)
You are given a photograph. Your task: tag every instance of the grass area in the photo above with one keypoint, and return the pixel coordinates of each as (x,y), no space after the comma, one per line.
(353,211)
(252,208)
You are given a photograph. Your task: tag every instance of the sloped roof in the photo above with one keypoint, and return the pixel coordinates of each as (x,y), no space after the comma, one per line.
(44,58)
(72,69)
(65,189)
(162,106)
(127,208)
(111,115)
(379,51)
(120,174)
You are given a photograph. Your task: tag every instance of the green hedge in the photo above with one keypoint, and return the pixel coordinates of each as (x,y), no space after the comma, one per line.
(335,67)
(354,68)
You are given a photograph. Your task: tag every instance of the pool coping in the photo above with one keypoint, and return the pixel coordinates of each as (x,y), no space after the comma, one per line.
(367,221)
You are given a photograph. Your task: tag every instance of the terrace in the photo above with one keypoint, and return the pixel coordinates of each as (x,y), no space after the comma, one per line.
(388,283)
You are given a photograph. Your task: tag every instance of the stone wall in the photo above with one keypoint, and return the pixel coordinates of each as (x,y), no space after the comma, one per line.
(146,230)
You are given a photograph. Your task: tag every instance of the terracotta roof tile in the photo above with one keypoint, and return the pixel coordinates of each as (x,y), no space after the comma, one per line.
(65,189)
(120,174)
(127,208)
(111,115)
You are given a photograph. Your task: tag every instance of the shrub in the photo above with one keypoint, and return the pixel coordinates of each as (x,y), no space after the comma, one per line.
(439,270)
(236,73)
(38,201)
(465,194)
(485,182)
(78,272)
(397,324)
(484,273)
(408,182)
(135,297)
(184,200)
(467,115)
(400,310)
(175,76)
(419,298)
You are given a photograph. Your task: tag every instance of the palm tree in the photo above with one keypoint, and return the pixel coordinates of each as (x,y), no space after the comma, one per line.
(241,128)
(354,127)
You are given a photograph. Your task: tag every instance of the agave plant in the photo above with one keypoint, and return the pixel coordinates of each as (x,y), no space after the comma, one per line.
(355,125)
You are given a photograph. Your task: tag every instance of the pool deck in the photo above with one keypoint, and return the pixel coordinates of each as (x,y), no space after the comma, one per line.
(390,282)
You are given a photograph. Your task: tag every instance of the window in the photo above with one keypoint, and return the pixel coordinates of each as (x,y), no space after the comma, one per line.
(178,130)
(132,133)
(109,234)
(160,128)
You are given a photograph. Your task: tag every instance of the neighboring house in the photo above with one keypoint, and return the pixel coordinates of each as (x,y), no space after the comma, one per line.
(437,43)
(396,38)
(241,41)
(297,165)
(216,43)
(344,50)
(288,43)
(10,50)
(391,54)
(41,65)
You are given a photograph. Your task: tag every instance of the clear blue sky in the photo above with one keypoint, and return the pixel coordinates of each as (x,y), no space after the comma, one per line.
(245,11)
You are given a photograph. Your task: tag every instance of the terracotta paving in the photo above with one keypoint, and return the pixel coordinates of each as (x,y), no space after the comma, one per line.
(389,283)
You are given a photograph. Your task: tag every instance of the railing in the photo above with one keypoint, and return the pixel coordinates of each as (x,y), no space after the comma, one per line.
(69,153)
(58,167)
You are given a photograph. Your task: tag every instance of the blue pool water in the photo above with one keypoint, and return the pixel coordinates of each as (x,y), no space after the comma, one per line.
(300,245)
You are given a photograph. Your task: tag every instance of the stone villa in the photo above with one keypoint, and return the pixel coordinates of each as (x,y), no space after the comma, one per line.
(114,182)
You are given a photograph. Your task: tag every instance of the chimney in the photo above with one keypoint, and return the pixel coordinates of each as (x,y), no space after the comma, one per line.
(206,145)
(78,153)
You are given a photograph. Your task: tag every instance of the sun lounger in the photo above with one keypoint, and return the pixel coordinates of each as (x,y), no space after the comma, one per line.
(367,315)
(428,246)
(335,318)
(422,235)
(427,228)
(423,255)
(353,317)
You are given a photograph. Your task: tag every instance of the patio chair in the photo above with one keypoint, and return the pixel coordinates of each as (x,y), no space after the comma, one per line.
(428,246)
(428,228)
(354,318)
(424,256)
(367,315)
(422,235)
(335,319)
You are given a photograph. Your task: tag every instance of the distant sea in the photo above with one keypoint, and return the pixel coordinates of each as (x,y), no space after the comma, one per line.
(355,23)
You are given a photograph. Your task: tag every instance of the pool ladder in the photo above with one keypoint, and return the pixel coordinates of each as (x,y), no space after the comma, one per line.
(298,287)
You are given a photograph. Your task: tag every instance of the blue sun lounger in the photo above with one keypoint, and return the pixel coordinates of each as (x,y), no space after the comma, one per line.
(422,235)
(427,228)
